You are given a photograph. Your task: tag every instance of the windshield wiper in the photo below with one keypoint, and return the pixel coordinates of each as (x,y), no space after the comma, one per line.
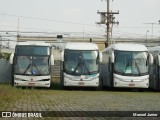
(36,69)
(27,68)
(32,71)
(86,68)
(79,63)
(137,68)
(126,66)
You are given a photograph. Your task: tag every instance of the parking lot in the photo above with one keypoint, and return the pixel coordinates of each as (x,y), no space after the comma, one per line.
(54,99)
(76,103)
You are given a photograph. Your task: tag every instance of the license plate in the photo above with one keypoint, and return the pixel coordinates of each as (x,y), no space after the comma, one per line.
(131,84)
(81,83)
(31,84)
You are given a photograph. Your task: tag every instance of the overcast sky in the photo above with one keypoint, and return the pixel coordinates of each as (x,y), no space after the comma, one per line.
(80,16)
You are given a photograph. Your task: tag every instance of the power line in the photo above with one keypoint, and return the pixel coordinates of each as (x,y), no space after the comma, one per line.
(152,26)
(136,27)
(44,19)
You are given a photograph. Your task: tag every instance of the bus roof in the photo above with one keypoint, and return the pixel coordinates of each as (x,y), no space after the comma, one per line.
(127,47)
(156,48)
(37,43)
(81,46)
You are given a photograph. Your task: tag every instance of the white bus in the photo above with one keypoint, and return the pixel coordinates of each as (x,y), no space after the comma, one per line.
(126,66)
(32,64)
(155,69)
(80,65)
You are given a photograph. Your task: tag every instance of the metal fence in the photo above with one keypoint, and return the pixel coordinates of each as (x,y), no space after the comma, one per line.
(5,71)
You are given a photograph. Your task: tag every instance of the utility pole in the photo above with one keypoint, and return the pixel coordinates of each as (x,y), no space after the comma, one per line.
(18,31)
(146,38)
(110,21)
(152,26)
(108,25)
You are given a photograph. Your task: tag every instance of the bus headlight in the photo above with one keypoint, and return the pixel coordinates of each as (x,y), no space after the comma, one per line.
(145,79)
(66,76)
(92,77)
(117,78)
(88,77)
(96,77)
(18,79)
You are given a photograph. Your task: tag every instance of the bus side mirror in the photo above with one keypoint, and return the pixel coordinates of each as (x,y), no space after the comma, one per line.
(62,56)
(150,59)
(100,57)
(158,60)
(52,60)
(112,57)
(11,58)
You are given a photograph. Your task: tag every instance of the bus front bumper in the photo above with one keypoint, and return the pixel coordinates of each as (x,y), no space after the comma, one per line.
(131,82)
(81,81)
(32,81)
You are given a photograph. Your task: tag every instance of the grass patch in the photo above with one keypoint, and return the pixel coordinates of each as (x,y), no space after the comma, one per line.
(14,98)
(45,99)
(8,94)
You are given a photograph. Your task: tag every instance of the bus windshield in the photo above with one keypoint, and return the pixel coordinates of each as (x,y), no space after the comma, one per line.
(131,63)
(81,62)
(31,65)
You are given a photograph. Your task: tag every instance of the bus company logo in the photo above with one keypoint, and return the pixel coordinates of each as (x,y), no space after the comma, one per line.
(6,114)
